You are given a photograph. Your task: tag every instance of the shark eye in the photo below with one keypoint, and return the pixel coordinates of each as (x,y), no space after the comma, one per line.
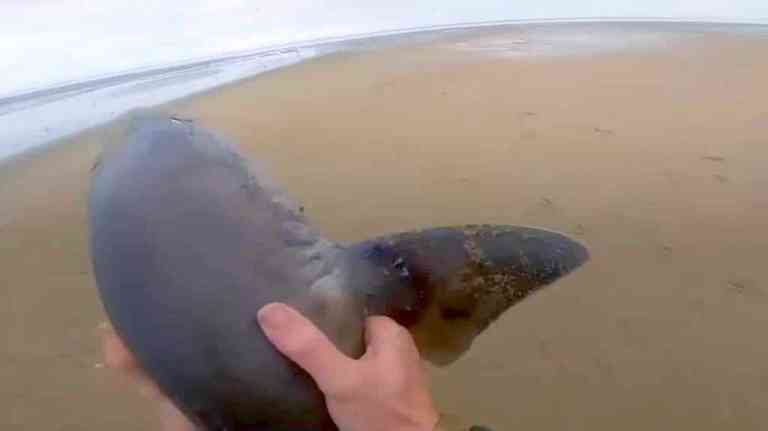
(399,265)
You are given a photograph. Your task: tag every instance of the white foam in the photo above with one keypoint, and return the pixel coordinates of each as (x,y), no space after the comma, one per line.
(27,122)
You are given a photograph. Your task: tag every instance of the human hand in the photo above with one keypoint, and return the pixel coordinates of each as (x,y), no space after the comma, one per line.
(385,390)
(119,358)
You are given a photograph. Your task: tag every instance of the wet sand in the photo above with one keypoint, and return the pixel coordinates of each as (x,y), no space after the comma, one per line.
(655,158)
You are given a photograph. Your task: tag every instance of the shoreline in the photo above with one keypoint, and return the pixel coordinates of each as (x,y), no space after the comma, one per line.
(312,43)
(49,130)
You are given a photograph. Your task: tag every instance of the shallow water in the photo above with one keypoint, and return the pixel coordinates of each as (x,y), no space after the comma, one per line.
(650,151)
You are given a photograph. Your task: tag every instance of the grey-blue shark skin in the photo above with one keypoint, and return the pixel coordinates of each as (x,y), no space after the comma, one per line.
(189,240)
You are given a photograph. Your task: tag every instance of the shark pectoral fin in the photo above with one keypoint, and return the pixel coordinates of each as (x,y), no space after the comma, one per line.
(465,277)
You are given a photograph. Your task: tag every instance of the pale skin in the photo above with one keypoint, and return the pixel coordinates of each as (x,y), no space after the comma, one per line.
(386,389)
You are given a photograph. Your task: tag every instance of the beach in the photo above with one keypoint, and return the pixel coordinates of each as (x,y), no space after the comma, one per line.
(653,156)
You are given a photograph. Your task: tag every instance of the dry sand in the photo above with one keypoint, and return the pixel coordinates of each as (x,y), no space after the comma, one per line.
(656,159)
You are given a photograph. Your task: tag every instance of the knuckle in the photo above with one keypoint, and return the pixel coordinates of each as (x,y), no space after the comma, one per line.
(345,387)
(384,326)
(301,346)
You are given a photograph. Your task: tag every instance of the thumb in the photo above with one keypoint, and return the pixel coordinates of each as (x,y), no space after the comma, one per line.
(301,341)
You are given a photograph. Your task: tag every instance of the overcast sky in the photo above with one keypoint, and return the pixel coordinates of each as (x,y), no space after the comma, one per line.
(48,41)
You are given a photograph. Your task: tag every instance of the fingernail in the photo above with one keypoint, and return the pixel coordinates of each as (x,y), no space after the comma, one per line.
(103,327)
(273,317)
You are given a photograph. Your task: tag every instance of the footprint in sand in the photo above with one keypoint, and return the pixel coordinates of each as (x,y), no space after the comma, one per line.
(527,133)
(715,159)
(603,132)
(546,203)
(744,288)
(579,229)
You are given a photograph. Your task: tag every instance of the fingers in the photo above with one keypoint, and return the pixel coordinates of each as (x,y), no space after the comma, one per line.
(302,342)
(117,357)
(116,354)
